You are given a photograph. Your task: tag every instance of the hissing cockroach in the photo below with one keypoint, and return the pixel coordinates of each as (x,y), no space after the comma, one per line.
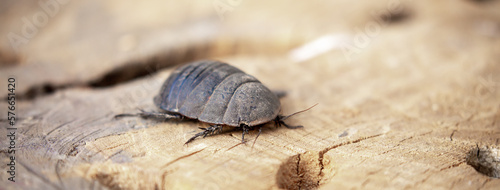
(218,94)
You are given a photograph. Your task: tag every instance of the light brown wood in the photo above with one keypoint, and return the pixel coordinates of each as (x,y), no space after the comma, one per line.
(402,110)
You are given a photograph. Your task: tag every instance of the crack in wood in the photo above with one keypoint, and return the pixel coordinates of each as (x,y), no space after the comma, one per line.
(63,150)
(29,126)
(347,143)
(425,179)
(298,172)
(452,133)
(234,146)
(405,139)
(452,165)
(112,147)
(62,125)
(163,175)
(114,154)
(79,142)
(147,66)
(102,150)
(182,157)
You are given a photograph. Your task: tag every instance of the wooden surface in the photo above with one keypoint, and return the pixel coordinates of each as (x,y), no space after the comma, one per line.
(403,109)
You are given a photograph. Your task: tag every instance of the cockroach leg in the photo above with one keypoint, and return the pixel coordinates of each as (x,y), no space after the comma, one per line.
(207,131)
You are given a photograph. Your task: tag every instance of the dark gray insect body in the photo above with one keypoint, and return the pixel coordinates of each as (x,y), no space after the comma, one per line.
(218,94)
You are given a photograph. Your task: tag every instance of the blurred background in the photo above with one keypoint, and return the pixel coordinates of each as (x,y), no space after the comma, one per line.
(395,67)
(54,44)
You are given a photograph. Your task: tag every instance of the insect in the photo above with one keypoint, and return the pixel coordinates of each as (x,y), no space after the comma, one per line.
(220,95)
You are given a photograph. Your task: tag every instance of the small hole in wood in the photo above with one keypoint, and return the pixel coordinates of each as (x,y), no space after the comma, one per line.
(308,170)
(485,160)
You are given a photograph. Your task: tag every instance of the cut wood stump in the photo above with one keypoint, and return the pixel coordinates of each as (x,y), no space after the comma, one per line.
(407,93)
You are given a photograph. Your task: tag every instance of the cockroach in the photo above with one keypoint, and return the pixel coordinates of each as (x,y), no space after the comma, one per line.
(219,94)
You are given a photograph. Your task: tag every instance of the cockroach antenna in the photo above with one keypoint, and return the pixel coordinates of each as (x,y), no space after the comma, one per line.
(280,121)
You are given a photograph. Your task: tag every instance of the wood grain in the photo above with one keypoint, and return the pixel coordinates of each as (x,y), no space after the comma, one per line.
(403,110)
